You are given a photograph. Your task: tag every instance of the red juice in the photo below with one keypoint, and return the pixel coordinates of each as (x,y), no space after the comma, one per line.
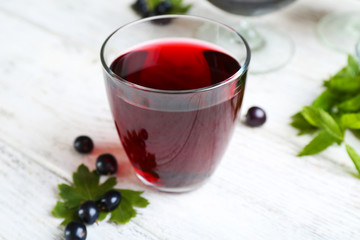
(177,148)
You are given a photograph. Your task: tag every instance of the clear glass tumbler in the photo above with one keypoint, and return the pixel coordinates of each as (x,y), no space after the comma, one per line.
(174,96)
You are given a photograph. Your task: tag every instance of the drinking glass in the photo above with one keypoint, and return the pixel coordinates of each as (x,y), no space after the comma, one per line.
(174,138)
(340,31)
(265,42)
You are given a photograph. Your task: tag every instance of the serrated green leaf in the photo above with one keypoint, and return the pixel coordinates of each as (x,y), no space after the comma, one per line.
(85,181)
(350,120)
(61,210)
(354,156)
(322,141)
(152,3)
(177,6)
(180,9)
(123,213)
(70,195)
(300,123)
(134,197)
(319,118)
(102,215)
(126,210)
(350,105)
(86,187)
(104,187)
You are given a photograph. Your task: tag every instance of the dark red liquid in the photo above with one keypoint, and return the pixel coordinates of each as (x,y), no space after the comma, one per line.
(175,148)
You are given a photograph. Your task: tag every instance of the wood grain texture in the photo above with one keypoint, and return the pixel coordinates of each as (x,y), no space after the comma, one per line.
(28,194)
(51,90)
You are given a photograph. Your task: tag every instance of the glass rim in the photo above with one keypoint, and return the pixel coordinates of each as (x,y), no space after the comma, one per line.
(243,68)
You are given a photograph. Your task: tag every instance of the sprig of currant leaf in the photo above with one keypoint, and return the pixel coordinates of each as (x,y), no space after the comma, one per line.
(334,112)
(147,8)
(86,186)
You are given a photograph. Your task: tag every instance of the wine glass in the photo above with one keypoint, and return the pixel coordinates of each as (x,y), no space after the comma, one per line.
(340,31)
(265,42)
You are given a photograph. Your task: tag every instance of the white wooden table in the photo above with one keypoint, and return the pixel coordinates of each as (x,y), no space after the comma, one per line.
(51,90)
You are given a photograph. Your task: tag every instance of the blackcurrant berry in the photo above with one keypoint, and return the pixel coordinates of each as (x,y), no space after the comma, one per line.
(141,7)
(163,7)
(75,231)
(83,144)
(148,14)
(255,117)
(106,164)
(88,212)
(110,200)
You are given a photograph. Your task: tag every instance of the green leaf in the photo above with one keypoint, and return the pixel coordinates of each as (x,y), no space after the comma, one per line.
(123,213)
(102,215)
(344,84)
(356,133)
(61,210)
(350,105)
(152,3)
(334,111)
(342,73)
(322,141)
(85,181)
(108,185)
(354,157)
(134,197)
(319,118)
(299,122)
(326,100)
(70,195)
(352,68)
(177,6)
(350,120)
(126,210)
(87,187)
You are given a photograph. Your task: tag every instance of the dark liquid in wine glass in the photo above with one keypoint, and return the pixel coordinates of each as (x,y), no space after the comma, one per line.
(250,7)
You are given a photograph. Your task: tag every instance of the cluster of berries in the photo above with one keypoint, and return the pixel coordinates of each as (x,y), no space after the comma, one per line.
(142,8)
(89,211)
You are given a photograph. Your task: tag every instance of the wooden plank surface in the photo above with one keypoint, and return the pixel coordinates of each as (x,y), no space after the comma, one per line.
(51,90)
